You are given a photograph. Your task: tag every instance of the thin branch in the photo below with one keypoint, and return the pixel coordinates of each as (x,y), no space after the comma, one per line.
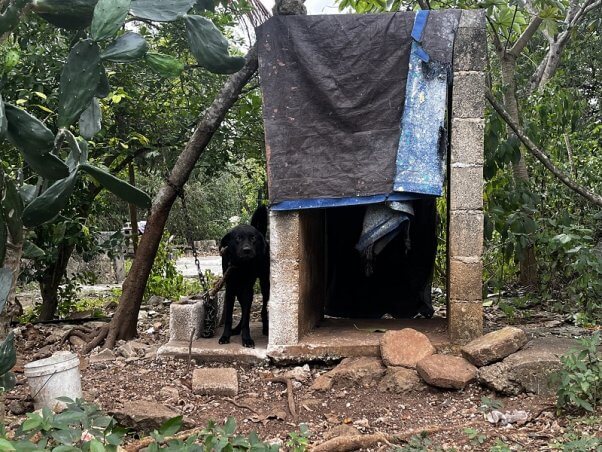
(541,155)
(510,28)
(496,38)
(524,38)
(592,7)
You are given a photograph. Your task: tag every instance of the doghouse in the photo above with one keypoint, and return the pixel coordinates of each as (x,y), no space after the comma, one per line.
(368,119)
(330,149)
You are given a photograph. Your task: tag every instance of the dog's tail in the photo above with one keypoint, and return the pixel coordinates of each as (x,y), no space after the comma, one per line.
(259,220)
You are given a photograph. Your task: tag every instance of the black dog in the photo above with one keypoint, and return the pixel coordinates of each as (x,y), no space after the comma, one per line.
(246,257)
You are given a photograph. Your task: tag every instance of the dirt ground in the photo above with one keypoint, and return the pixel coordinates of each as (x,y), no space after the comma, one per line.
(261,405)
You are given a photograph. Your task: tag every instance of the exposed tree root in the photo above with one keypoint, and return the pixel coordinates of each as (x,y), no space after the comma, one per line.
(241,405)
(83,332)
(355,442)
(289,393)
(145,442)
(95,338)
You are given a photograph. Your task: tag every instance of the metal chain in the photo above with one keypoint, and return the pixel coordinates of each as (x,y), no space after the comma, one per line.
(189,238)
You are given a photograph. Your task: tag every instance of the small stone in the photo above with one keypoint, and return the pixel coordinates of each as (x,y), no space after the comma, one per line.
(127,351)
(494,346)
(20,407)
(446,371)
(77,341)
(103,356)
(218,381)
(404,348)
(362,371)
(400,380)
(170,393)
(322,383)
(301,374)
(143,415)
(155,300)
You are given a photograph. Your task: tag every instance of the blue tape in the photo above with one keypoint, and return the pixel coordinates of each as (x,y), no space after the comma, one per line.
(419,24)
(319,203)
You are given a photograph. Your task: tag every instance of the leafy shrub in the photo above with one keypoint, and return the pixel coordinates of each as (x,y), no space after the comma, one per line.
(580,379)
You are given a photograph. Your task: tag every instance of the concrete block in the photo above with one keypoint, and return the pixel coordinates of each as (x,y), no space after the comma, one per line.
(183,318)
(284,323)
(468,98)
(470,49)
(474,18)
(284,235)
(465,321)
(466,188)
(284,281)
(467,141)
(465,280)
(466,233)
(218,381)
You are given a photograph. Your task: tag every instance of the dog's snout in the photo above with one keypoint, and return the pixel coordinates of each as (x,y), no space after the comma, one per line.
(247,250)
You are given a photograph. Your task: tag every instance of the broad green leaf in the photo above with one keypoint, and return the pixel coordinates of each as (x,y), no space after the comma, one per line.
(6,445)
(74,15)
(27,193)
(90,120)
(120,188)
(48,205)
(126,48)
(207,5)
(31,423)
(12,205)
(79,81)
(230,426)
(171,426)
(210,47)
(27,132)
(96,446)
(103,89)
(109,17)
(160,10)
(164,65)
(31,250)
(49,166)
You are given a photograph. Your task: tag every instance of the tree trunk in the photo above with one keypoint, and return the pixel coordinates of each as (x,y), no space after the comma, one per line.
(133,210)
(12,308)
(528,263)
(51,280)
(123,324)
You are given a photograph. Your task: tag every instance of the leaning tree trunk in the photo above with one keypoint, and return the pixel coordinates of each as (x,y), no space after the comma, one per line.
(12,308)
(123,324)
(528,263)
(51,280)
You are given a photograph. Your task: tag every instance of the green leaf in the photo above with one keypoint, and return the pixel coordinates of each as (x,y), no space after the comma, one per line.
(3,237)
(6,280)
(230,426)
(109,17)
(128,47)
(32,251)
(31,423)
(171,426)
(48,205)
(49,166)
(164,65)
(27,132)
(6,445)
(210,47)
(90,120)
(3,120)
(74,15)
(79,81)
(207,5)
(96,446)
(160,10)
(122,189)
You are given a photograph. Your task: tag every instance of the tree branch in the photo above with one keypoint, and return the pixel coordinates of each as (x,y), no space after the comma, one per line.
(541,155)
(524,38)
(496,39)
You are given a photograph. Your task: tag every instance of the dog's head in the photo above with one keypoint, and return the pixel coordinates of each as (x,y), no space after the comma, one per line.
(243,244)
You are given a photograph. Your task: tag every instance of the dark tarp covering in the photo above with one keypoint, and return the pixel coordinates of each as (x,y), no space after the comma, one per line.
(333,94)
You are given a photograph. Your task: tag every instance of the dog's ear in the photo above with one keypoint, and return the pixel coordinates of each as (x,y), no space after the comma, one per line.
(225,241)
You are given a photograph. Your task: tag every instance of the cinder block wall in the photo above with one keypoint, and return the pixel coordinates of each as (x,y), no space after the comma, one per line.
(297,246)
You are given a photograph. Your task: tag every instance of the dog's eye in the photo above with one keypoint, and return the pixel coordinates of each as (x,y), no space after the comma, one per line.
(238,239)
(252,238)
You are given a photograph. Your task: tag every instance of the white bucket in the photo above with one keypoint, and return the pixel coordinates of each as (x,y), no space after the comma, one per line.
(57,376)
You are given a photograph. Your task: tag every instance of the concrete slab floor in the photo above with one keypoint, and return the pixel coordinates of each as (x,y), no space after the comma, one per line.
(333,339)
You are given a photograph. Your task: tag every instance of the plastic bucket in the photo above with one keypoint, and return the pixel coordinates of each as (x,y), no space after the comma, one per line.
(57,376)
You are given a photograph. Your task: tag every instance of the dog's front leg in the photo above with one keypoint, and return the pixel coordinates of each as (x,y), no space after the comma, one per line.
(246,300)
(264,283)
(229,302)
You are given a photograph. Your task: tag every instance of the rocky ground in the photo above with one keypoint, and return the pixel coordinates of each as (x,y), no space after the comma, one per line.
(360,397)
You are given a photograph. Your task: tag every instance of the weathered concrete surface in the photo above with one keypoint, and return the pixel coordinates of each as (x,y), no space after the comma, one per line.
(465,320)
(467,142)
(446,371)
(404,348)
(183,319)
(470,49)
(468,99)
(363,371)
(466,188)
(465,279)
(494,346)
(466,234)
(399,380)
(215,381)
(143,415)
(528,370)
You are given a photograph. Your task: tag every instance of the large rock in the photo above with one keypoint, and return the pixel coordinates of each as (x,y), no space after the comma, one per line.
(400,380)
(446,371)
(143,415)
(494,346)
(362,371)
(217,381)
(530,369)
(404,348)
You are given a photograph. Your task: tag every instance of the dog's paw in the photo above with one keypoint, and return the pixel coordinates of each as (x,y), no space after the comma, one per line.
(249,343)
(224,340)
